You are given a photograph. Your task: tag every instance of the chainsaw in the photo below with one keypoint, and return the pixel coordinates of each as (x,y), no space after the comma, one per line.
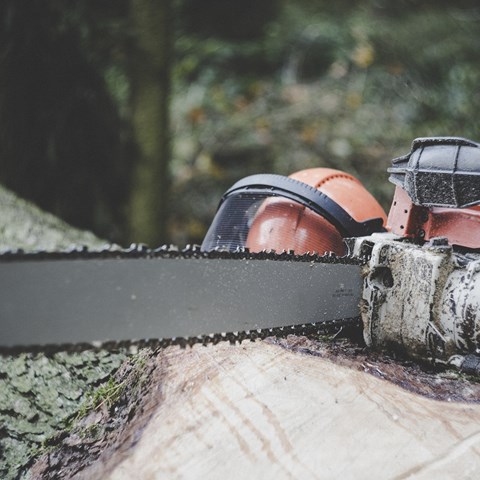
(309,254)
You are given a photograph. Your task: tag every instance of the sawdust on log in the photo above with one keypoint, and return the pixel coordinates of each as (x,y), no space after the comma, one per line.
(423,380)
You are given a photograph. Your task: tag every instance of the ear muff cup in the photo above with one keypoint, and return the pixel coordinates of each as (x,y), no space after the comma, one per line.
(281,224)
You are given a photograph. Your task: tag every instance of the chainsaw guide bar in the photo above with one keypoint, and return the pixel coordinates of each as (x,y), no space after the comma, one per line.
(112,298)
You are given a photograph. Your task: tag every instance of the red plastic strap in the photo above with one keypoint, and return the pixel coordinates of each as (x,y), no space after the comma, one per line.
(460,225)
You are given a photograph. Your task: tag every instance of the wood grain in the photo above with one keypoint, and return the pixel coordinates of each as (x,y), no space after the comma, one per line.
(261,411)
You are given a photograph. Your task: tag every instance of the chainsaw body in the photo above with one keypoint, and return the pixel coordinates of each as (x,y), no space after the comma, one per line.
(421,292)
(420,300)
(437,192)
(422,283)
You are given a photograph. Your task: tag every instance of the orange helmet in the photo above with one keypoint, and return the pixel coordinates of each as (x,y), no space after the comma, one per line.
(310,211)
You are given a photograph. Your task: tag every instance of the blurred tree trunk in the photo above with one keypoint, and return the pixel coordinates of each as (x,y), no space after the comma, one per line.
(150,88)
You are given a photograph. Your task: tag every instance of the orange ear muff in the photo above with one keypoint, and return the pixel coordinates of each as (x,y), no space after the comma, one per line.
(281,224)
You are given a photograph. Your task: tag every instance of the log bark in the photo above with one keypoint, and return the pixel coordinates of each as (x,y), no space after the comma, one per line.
(41,393)
(22,225)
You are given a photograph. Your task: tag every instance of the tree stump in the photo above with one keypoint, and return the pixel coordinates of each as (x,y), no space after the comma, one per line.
(274,409)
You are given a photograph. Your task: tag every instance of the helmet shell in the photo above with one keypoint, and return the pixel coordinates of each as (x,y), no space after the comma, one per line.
(281,224)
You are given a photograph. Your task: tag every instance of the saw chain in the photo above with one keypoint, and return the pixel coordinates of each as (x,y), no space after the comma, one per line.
(113,255)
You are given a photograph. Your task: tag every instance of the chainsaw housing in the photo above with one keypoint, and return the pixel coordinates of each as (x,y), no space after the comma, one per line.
(422,300)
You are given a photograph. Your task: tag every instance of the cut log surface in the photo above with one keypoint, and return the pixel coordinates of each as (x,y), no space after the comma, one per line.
(260,410)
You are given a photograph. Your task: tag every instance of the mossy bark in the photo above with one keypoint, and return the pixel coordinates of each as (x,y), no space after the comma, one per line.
(40,393)
(24,226)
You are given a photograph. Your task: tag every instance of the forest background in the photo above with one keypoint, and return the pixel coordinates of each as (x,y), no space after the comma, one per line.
(131,117)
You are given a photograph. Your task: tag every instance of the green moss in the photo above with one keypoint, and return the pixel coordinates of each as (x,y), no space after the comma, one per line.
(104,396)
(39,395)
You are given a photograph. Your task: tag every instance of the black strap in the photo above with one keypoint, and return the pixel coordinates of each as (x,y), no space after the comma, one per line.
(310,197)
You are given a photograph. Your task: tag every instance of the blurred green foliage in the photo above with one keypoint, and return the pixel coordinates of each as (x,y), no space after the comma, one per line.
(63,141)
(344,84)
(257,86)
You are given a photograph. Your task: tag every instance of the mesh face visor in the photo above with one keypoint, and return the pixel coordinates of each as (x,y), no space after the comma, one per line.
(272,212)
(232,223)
